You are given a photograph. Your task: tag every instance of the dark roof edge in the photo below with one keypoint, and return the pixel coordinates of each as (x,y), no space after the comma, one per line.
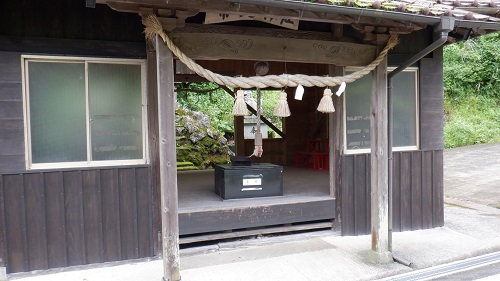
(376,13)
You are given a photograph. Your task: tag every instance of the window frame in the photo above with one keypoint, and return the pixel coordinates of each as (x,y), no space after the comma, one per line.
(416,72)
(25,59)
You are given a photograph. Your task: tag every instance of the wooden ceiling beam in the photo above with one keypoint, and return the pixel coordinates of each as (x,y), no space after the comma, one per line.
(209,46)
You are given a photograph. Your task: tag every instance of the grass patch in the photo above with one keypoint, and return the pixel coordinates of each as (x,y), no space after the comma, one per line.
(471,120)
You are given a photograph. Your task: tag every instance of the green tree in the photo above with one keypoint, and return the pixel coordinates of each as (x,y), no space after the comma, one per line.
(472,91)
(210,99)
(473,67)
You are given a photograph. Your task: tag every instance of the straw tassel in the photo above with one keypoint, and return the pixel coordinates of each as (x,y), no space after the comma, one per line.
(282,109)
(326,103)
(240,107)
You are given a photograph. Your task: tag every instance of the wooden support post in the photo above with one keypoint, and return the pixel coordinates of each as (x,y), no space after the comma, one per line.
(336,138)
(239,135)
(153,144)
(379,167)
(168,166)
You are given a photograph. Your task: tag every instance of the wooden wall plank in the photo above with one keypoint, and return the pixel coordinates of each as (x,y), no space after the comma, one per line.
(348,217)
(92,216)
(11,110)
(73,211)
(35,221)
(416,191)
(11,163)
(55,219)
(11,92)
(11,114)
(396,192)
(431,104)
(438,192)
(368,193)
(10,67)
(427,171)
(15,219)
(32,18)
(12,146)
(12,128)
(144,213)
(110,195)
(56,46)
(128,214)
(3,250)
(360,194)
(405,171)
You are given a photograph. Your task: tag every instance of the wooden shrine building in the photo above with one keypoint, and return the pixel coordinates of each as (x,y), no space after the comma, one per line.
(87,131)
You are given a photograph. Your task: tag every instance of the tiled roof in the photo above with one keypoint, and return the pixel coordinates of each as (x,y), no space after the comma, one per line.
(473,10)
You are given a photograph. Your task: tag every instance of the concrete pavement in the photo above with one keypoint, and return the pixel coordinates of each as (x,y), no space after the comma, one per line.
(468,232)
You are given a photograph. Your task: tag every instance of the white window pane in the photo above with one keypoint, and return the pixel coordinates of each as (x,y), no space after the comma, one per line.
(404,109)
(115,111)
(57,112)
(357,104)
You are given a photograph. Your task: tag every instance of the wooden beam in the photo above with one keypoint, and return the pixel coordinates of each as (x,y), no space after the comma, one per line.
(255,231)
(254,31)
(260,48)
(168,163)
(379,167)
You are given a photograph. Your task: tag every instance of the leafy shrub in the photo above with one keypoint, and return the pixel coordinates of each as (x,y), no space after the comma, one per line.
(473,67)
(472,91)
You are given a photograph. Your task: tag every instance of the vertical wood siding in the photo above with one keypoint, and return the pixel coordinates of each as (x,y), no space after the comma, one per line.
(57,219)
(417,191)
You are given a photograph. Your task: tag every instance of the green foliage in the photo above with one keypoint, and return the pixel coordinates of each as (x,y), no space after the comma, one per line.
(472,91)
(211,100)
(473,67)
(269,101)
(471,120)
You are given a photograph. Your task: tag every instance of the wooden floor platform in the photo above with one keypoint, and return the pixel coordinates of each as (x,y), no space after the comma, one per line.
(306,199)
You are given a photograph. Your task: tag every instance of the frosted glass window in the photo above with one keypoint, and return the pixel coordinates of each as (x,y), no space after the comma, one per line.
(115,111)
(357,104)
(84,112)
(404,108)
(57,110)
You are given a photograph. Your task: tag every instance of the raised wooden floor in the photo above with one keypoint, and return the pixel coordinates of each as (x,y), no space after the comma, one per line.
(306,199)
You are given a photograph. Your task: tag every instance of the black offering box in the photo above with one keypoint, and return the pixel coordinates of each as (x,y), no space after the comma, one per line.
(242,179)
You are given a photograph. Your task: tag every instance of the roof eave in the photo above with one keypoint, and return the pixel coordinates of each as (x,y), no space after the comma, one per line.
(376,13)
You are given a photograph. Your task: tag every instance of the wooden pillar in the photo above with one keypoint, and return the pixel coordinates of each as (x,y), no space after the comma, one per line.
(239,135)
(379,167)
(336,138)
(168,166)
(153,144)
